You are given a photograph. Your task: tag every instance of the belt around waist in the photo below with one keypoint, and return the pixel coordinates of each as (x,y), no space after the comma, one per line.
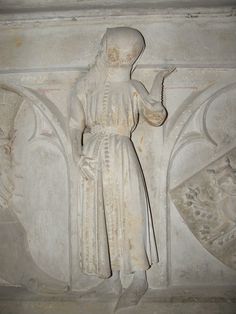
(108,130)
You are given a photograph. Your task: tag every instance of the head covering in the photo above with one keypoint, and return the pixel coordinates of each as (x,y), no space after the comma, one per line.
(119,46)
(123,45)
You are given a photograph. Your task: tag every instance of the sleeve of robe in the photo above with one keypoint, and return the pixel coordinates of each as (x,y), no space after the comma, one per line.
(77,115)
(151,110)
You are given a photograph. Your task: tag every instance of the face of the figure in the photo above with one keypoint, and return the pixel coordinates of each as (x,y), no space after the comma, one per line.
(123,46)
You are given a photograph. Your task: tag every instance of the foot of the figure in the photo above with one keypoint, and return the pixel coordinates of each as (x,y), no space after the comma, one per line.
(133,294)
(111,285)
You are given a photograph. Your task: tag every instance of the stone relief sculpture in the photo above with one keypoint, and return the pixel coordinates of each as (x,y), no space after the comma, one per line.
(115,228)
(17,264)
(204,189)
(207,202)
(9,105)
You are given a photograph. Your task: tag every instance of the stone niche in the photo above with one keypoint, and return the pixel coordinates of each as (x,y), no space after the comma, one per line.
(189,163)
(34,193)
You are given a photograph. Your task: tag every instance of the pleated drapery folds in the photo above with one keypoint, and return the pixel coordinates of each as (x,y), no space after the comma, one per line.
(115,227)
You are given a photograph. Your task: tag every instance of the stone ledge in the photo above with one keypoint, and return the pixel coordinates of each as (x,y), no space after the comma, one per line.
(172,294)
(75,307)
(176,300)
(162,10)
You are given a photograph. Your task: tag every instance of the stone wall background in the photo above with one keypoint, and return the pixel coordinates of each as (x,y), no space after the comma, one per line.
(40,60)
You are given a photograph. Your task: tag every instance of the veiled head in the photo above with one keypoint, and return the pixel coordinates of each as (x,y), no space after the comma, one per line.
(123,45)
(120,46)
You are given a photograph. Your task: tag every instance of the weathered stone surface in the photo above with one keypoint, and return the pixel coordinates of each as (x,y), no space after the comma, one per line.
(172,301)
(207,202)
(40,63)
(205,192)
(23,231)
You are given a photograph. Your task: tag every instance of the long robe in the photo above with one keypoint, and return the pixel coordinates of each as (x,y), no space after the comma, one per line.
(115,227)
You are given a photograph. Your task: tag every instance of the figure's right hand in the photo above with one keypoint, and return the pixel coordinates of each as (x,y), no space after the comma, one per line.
(87,166)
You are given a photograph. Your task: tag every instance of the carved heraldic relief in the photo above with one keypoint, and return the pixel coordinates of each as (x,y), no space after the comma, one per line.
(208,205)
(116,228)
(206,198)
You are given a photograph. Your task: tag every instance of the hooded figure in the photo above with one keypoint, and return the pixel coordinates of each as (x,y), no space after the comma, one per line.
(116,228)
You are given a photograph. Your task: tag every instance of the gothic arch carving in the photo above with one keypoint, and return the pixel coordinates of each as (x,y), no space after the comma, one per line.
(202,170)
(34,133)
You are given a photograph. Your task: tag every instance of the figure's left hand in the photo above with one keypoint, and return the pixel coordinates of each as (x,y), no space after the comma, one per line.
(157,85)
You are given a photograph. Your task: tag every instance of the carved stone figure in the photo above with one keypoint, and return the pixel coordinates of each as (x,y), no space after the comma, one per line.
(115,228)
